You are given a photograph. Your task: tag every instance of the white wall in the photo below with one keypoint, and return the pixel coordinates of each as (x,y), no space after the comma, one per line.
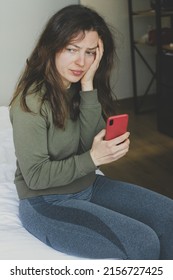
(20,24)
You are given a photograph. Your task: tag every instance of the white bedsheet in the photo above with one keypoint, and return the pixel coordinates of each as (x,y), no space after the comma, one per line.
(15,241)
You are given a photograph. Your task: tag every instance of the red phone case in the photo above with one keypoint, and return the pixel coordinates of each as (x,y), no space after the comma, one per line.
(116,126)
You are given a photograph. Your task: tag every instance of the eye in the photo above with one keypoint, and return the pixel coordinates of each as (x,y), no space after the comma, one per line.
(72,50)
(91,53)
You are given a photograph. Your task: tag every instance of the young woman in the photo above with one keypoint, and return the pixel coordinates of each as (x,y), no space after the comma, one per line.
(58,114)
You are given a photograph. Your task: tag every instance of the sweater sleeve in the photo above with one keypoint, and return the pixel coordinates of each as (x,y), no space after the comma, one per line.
(91,120)
(36,166)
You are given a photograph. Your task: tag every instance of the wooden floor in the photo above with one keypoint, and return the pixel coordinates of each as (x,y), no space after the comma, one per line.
(149,162)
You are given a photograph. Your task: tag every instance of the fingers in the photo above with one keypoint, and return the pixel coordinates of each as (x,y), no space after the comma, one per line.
(99,52)
(101,48)
(87,80)
(121,148)
(118,140)
(103,152)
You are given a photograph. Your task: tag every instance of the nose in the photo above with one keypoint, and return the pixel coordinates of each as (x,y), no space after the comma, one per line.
(80,59)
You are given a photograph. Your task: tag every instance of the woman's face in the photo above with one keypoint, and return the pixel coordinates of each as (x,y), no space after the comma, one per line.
(74,61)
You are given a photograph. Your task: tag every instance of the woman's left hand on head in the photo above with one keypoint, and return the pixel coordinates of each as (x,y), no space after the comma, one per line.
(87,79)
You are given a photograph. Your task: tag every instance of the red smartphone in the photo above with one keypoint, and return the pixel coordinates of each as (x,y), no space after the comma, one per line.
(116,126)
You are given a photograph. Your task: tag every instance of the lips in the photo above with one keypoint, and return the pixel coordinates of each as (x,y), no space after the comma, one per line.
(77,73)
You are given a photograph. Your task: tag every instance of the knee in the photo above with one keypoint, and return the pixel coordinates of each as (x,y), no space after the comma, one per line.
(144,244)
(147,245)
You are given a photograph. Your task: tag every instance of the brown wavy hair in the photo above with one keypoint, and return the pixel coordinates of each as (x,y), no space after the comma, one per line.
(41,71)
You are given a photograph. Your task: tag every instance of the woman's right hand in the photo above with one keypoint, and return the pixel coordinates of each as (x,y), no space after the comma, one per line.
(103,152)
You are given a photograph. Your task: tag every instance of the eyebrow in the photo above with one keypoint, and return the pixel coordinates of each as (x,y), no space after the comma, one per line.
(80,47)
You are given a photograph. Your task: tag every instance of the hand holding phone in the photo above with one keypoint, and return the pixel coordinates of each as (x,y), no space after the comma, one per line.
(116,126)
(104,152)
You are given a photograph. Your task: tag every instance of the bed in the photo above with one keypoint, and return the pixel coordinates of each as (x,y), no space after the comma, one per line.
(15,241)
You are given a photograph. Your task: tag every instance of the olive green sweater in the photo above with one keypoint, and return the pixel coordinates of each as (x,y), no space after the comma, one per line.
(48,158)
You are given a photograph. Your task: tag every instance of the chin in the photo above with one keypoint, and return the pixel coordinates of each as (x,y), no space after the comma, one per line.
(76,80)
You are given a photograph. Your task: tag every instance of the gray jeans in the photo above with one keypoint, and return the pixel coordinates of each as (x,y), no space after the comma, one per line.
(110,219)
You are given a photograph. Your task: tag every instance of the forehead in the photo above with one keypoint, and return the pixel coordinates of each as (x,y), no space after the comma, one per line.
(86,37)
